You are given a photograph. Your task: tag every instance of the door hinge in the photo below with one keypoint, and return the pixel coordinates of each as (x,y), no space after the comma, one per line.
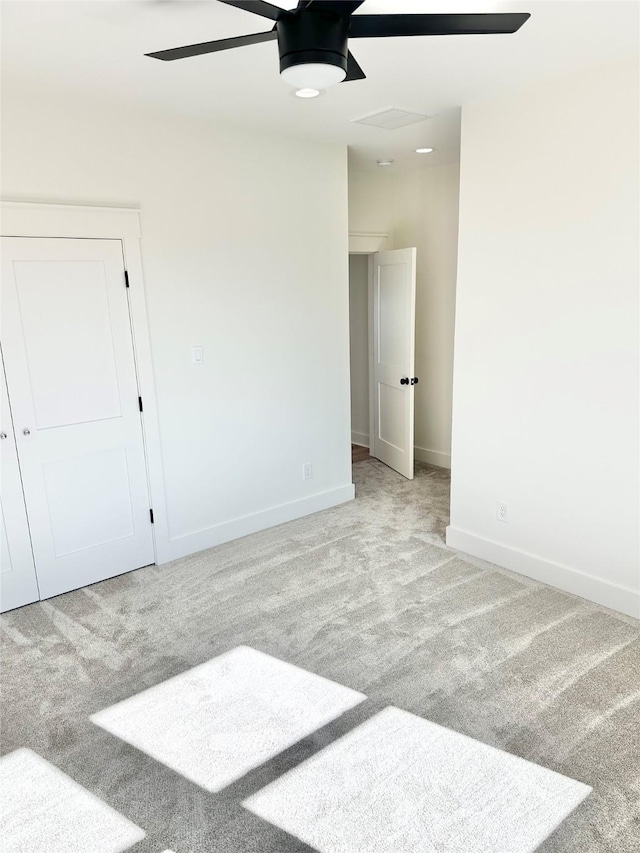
(140,403)
(151,516)
(126,278)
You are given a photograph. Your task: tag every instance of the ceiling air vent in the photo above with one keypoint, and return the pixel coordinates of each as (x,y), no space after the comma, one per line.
(390,118)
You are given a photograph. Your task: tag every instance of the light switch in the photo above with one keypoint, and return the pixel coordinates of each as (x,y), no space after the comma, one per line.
(196,355)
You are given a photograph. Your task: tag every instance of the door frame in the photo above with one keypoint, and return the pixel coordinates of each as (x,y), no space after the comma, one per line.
(372,366)
(27,219)
(369,243)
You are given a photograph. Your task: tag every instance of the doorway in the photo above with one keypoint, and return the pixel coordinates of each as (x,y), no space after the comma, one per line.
(359,352)
(382,296)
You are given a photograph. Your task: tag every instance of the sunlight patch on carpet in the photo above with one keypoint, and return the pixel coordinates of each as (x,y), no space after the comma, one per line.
(219,720)
(401,784)
(44,810)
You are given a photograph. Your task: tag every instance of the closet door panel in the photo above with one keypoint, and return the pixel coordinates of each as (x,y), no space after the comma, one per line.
(72,383)
(18,584)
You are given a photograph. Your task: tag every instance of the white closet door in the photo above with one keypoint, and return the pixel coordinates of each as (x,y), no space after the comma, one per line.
(18,584)
(68,351)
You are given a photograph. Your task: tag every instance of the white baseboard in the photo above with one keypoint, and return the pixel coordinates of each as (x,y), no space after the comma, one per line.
(190,543)
(360,438)
(623,599)
(433,457)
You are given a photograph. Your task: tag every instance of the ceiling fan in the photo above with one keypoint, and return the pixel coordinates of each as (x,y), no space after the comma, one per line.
(313,37)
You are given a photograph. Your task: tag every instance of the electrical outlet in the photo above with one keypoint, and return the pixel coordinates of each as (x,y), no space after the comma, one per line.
(501,512)
(307,471)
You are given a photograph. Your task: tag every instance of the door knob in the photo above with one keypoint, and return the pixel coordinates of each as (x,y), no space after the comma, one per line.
(26,431)
(404,381)
(3,435)
(415,380)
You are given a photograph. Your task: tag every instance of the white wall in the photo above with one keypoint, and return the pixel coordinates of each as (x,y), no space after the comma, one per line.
(245,253)
(546,356)
(419,208)
(359,347)
(372,200)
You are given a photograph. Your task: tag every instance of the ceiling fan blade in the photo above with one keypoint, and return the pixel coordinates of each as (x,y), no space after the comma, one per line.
(258,7)
(212,46)
(380,26)
(344,7)
(354,72)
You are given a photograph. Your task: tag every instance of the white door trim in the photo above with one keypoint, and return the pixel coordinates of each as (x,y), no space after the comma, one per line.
(370,258)
(372,383)
(26,219)
(366,242)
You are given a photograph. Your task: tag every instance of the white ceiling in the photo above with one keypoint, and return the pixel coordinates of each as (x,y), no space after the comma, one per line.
(97,47)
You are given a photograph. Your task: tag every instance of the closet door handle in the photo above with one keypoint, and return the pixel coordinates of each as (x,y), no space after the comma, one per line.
(26,431)
(3,435)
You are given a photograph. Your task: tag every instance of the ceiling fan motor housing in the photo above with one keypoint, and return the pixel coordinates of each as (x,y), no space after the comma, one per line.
(310,37)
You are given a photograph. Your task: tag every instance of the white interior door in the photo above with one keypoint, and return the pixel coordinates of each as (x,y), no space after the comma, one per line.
(18,583)
(394,320)
(68,351)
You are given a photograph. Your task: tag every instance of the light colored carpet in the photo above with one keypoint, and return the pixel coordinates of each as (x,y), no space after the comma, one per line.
(366,595)
(400,784)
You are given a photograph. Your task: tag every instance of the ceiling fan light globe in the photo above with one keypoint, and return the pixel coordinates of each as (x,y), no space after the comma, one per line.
(313,75)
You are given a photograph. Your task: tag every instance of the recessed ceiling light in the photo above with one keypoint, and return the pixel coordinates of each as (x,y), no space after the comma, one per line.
(424,150)
(307,93)
(385,162)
